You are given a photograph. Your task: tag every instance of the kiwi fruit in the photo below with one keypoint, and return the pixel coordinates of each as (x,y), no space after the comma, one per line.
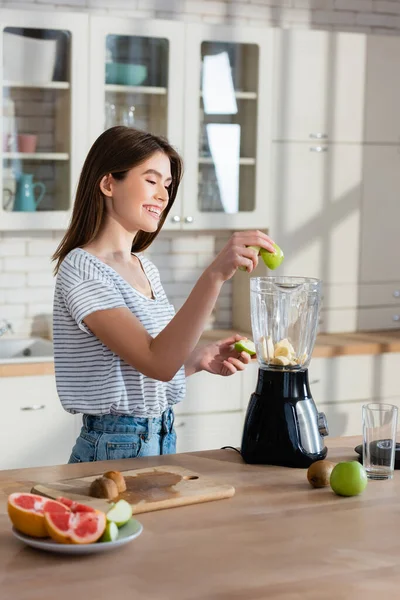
(319,473)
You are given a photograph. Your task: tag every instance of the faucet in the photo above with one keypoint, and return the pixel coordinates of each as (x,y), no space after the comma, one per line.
(6,327)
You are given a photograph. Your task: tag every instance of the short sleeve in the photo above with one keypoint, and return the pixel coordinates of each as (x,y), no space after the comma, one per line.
(87,289)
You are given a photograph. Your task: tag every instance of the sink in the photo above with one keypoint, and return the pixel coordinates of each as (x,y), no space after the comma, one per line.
(17,350)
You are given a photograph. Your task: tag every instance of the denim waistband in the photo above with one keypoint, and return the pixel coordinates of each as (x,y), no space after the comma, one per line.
(130,424)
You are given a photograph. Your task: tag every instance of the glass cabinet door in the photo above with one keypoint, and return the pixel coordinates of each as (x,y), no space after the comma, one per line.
(36,119)
(226,148)
(228,127)
(136,81)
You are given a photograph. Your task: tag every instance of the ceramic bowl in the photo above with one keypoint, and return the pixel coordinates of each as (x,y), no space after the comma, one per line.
(125,73)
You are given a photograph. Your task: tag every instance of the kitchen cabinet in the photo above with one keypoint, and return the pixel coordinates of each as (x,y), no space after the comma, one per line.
(44,121)
(319,83)
(208,431)
(317,209)
(136,79)
(228,96)
(37,431)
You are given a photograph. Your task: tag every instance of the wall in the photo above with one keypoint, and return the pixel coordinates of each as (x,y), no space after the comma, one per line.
(26,282)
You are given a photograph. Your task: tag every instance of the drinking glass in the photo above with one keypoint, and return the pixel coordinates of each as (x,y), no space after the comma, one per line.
(379,439)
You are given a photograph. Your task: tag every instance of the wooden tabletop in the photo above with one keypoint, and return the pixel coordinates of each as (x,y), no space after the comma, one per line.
(276,538)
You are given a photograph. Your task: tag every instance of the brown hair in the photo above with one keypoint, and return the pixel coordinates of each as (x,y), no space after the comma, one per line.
(115,151)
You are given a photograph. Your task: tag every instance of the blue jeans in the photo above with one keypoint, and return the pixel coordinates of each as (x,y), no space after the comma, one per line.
(112,437)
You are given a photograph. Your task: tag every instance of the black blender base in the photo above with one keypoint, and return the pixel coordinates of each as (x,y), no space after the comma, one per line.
(272,431)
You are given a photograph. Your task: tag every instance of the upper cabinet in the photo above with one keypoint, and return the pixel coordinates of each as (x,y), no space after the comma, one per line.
(136,79)
(228,83)
(43,129)
(319,86)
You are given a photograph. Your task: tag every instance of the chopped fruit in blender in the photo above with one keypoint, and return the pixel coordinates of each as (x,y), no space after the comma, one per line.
(280,360)
(267,348)
(245,346)
(285,348)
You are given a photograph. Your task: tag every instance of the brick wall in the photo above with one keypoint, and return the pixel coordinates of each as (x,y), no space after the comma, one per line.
(26,283)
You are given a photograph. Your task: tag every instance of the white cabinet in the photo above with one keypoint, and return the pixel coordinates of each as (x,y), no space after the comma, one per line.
(228,95)
(44,75)
(316,209)
(36,430)
(382,118)
(319,83)
(208,431)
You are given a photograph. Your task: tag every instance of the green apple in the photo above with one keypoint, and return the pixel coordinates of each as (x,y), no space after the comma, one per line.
(348,478)
(120,513)
(245,346)
(257,249)
(272,259)
(110,533)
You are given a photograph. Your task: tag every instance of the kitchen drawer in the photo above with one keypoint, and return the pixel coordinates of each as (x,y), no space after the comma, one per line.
(370,319)
(208,432)
(343,418)
(342,379)
(36,431)
(210,393)
(382,294)
(338,320)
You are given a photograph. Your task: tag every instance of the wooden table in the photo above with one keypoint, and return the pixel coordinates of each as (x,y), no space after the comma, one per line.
(276,538)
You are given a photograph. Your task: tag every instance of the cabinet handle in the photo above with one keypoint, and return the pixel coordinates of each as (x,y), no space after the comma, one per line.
(318,136)
(396,317)
(176,219)
(189,219)
(396,293)
(318,148)
(34,407)
(181,424)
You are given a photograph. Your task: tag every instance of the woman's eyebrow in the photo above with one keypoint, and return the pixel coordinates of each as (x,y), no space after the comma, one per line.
(157,173)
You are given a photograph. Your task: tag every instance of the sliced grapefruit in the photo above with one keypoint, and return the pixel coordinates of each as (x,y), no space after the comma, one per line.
(75,528)
(75,506)
(26,512)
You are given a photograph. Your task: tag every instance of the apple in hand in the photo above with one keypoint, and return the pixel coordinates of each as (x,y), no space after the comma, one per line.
(348,478)
(272,260)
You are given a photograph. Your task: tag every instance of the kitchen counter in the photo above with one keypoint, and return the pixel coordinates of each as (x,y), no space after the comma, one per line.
(327,345)
(276,538)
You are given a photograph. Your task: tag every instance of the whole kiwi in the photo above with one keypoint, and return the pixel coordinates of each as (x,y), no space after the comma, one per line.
(319,473)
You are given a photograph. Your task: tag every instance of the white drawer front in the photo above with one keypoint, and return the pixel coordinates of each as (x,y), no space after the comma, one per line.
(382,294)
(338,320)
(341,379)
(211,393)
(343,419)
(208,432)
(370,319)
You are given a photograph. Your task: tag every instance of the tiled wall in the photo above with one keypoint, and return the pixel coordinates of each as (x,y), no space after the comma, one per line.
(26,282)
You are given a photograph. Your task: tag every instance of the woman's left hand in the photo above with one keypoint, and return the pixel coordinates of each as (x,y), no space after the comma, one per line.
(219,358)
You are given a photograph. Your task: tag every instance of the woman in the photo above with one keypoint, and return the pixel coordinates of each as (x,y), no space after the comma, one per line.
(121,354)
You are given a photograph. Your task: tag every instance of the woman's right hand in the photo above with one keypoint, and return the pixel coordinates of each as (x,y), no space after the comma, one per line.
(237,253)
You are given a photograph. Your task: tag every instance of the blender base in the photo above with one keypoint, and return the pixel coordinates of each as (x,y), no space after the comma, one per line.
(282,425)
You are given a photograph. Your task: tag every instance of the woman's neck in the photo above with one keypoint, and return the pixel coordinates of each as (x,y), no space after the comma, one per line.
(113,243)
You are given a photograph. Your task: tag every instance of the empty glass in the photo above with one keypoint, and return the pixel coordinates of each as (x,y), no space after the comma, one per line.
(379,439)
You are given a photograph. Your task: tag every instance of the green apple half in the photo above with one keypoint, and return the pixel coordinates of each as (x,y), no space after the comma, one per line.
(120,513)
(272,260)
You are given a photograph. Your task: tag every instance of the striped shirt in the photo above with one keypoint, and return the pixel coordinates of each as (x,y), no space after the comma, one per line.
(90,378)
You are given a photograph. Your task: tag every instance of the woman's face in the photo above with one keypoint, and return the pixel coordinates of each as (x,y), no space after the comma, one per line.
(138,201)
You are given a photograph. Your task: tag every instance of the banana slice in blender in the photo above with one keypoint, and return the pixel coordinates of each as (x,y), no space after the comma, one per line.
(282,361)
(284,348)
(267,348)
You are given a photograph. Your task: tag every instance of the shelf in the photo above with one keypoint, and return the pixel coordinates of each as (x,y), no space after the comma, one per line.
(135,89)
(203,160)
(36,155)
(243,95)
(52,85)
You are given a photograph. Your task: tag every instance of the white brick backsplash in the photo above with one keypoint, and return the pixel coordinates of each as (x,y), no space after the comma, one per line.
(334,17)
(41,248)
(198,244)
(12,280)
(186,275)
(382,6)
(355,5)
(215,8)
(204,260)
(178,289)
(374,19)
(313,4)
(167,5)
(8,311)
(26,265)
(28,296)
(37,279)
(12,248)
(159,246)
(39,309)
(182,261)
(132,4)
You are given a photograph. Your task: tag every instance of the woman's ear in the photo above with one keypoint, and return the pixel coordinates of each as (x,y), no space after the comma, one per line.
(106,185)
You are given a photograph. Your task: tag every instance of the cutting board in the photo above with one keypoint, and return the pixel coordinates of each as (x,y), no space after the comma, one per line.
(148,489)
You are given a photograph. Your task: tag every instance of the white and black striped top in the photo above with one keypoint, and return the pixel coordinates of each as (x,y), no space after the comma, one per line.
(90,378)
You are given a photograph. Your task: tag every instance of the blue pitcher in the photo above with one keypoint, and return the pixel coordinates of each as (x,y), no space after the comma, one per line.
(25,193)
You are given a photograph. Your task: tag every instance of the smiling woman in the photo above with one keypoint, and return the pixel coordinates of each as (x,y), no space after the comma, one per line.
(121,354)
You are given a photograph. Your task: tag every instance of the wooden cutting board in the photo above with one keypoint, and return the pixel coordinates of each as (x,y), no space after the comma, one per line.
(147,489)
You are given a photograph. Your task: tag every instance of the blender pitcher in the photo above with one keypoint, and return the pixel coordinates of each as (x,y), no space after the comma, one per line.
(282,424)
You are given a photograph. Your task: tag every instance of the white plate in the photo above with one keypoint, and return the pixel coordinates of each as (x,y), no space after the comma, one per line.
(126,534)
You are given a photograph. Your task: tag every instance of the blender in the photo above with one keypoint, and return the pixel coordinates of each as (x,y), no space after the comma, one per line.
(282,424)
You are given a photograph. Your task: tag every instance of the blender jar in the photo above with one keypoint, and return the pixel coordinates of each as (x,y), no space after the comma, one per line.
(284,317)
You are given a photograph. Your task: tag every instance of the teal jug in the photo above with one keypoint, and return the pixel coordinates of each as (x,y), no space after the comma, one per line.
(25,193)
